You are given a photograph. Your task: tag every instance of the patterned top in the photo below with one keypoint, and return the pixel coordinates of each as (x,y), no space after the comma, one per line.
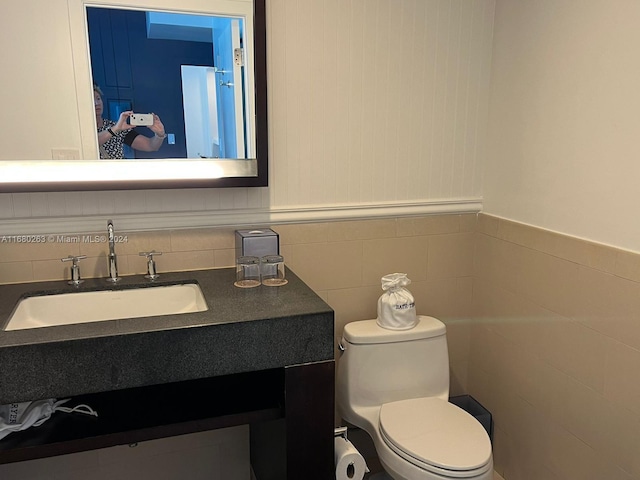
(112,148)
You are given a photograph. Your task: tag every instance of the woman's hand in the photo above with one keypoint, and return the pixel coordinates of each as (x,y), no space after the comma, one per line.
(146,144)
(122,124)
(158,127)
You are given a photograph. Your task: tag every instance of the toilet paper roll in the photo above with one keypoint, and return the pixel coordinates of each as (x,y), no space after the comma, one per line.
(350,464)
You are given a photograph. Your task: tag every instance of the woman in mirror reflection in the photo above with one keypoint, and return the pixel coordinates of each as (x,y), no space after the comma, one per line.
(113,135)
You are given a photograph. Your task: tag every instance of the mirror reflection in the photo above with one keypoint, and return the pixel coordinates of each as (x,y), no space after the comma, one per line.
(170,85)
(206,111)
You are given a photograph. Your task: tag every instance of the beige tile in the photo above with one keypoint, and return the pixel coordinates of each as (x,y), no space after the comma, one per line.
(501,403)
(521,234)
(51,248)
(446,299)
(458,378)
(584,413)
(502,455)
(487,224)
(583,252)
(186,260)
(94,244)
(16,272)
(627,330)
(464,286)
(97,267)
(137,264)
(429,225)
(485,351)
(352,304)
(202,239)
(136,242)
(54,270)
(394,255)
(323,294)
(361,230)
(590,295)
(451,256)
(550,282)
(600,257)
(513,316)
(477,382)
(224,258)
(468,222)
(571,458)
(497,262)
(124,269)
(620,315)
(549,396)
(528,434)
(628,265)
(568,456)
(302,233)
(580,251)
(514,377)
(90,267)
(611,431)
(328,266)
(286,251)
(621,385)
(578,351)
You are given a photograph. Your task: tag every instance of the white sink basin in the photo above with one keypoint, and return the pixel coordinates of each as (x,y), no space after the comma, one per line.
(85,307)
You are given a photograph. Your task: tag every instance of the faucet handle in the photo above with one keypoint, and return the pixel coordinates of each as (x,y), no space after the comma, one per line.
(75,269)
(151,264)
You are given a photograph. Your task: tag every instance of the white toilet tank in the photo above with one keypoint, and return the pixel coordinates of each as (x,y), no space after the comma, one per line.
(380,366)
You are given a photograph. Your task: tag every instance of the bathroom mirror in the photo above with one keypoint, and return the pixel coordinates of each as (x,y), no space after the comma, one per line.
(200,65)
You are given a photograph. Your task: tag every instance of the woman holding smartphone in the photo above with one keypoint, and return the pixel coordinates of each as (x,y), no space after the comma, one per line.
(112,136)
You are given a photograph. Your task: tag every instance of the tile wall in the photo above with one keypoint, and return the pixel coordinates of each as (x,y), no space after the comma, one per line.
(544,329)
(555,353)
(341,261)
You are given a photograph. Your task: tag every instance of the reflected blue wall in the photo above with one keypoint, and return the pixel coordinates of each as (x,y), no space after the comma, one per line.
(129,67)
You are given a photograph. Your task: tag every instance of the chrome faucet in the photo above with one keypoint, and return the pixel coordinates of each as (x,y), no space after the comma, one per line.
(113,260)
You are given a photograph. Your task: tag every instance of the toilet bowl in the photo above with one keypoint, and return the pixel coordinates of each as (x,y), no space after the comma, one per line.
(395,386)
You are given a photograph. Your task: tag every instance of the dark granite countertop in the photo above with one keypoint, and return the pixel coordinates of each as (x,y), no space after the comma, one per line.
(243,330)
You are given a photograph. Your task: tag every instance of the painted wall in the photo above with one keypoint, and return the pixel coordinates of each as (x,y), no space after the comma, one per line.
(379,105)
(563,129)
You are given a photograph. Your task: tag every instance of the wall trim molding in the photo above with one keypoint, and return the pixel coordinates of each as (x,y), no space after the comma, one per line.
(235,217)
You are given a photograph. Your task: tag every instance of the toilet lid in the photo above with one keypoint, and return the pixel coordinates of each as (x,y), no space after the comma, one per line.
(435,432)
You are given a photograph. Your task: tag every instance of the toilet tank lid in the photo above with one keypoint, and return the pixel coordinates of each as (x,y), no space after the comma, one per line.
(368,331)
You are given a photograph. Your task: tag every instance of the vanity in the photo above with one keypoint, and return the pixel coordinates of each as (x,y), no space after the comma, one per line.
(260,356)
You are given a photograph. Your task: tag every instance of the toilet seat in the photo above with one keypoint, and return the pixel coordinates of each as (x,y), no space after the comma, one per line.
(437,436)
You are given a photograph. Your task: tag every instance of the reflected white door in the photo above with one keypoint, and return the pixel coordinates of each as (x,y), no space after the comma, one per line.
(229,85)
(200,111)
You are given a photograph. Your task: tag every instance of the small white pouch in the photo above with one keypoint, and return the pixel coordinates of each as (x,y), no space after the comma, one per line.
(20,416)
(396,307)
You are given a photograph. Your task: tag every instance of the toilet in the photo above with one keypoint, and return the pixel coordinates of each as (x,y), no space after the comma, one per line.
(394,384)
